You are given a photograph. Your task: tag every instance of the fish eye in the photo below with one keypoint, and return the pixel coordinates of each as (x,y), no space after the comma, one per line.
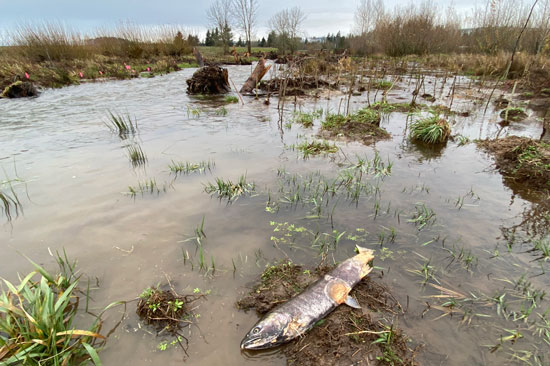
(256,330)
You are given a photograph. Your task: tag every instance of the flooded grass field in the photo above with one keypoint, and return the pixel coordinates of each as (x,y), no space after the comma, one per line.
(203,193)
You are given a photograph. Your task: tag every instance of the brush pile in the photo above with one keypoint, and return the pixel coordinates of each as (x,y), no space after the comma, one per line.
(209,80)
(20,89)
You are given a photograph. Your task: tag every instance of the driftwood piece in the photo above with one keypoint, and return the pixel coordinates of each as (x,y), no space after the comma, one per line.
(198,57)
(259,72)
(209,80)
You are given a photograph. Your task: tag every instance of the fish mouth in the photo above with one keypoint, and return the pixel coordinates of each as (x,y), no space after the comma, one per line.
(251,343)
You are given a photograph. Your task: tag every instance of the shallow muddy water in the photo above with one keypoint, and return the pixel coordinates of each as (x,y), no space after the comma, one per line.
(73,184)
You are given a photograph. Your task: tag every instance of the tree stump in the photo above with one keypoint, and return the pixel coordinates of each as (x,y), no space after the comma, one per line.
(20,89)
(209,80)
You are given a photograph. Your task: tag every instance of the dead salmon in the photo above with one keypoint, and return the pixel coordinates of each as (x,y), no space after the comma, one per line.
(299,314)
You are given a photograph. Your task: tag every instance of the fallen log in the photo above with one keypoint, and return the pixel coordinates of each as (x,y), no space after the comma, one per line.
(259,72)
(209,80)
(19,89)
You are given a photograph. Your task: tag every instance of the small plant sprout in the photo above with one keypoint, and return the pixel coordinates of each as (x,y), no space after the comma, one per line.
(186,167)
(229,190)
(122,125)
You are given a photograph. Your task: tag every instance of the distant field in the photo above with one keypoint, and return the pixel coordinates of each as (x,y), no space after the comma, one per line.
(212,51)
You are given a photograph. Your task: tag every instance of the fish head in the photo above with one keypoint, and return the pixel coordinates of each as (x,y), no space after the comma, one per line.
(268,332)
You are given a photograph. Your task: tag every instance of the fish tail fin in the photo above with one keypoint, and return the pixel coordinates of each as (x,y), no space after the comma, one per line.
(361,250)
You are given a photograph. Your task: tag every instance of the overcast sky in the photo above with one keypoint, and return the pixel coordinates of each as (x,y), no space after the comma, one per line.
(323,16)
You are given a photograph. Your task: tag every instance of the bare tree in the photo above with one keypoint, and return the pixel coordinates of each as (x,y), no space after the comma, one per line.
(245,14)
(219,14)
(287,25)
(367,14)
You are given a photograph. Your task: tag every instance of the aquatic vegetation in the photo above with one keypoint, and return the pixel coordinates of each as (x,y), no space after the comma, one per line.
(122,125)
(149,186)
(229,190)
(37,321)
(231,99)
(306,119)
(430,130)
(423,216)
(194,112)
(187,167)
(382,84)
(316,147)
(136,155)
(513,114)
(363,125)
(9,202)
(222,112)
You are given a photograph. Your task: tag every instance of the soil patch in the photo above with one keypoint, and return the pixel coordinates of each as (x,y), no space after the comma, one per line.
(346,336)
(295,86)
(166,311)
(521,160)
(362,126)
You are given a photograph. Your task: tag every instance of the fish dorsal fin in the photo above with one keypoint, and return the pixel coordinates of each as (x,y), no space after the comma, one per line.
(350,301)
(337,290)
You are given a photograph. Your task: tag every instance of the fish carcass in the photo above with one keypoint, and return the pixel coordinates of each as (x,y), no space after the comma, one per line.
(299,314)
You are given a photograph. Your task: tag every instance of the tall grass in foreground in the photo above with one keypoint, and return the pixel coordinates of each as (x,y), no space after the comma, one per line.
(36,321)
(122,125)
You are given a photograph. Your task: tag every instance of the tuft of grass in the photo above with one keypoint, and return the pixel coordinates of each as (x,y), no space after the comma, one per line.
(431,130)
(382,84)
(122,125)
(316,148)
(37,319)
(9,203)
(231,99)
(149,186)
(228,189)
(513,114)
(136,155)
(222,112)
(189,168)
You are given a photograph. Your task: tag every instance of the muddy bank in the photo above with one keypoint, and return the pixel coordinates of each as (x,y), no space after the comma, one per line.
(521,160)
(347,336)
(295,86)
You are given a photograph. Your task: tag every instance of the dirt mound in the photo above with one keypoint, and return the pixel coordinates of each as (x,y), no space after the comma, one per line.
(364,126)
(347,336)
(20,89)
(209,80)
(521,160)
(295,86)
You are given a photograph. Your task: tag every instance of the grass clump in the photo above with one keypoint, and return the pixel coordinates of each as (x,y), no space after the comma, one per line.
(363,125)
(382,84)
(316,148)
(231,99)
(431,130)
(522,160)
(189,168)
(136,155)
(513,114)
(122,125)
(37,321)
(9,203)
(229,190)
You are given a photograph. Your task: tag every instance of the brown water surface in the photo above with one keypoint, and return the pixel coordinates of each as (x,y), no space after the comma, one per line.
(74,177)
